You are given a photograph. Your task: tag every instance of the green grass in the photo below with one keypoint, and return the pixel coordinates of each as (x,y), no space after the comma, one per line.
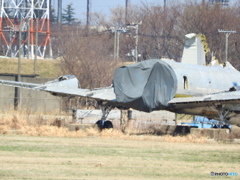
(27,157)
(46,68)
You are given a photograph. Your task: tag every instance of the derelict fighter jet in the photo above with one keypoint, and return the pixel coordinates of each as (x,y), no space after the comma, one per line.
(190,87)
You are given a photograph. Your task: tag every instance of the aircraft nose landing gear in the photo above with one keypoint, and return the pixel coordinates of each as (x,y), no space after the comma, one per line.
(103,124)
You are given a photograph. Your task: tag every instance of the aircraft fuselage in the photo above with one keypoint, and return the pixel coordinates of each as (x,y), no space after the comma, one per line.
(151,85)
(196,80)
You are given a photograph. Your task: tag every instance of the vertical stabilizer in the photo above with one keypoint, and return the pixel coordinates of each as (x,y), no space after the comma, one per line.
(195,49)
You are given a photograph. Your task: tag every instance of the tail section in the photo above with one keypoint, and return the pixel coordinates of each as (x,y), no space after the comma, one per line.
(195,49)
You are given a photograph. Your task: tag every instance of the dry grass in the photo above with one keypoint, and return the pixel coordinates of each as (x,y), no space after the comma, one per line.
(21,123)
(39,124)
(235,132)
(45,68)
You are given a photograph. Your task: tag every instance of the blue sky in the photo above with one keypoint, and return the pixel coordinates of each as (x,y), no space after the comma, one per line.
(104,6)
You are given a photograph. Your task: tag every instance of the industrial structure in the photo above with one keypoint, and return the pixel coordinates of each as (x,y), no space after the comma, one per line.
(25,28)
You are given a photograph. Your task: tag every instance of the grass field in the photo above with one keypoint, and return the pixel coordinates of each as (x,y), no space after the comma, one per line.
(33,157)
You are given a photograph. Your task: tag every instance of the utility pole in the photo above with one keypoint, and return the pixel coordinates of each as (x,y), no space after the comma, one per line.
(17,90)
(59,12)
(88,10)
(126,11)
(117,31)
(136,27)
(227,33)
(117,44)
(165,4)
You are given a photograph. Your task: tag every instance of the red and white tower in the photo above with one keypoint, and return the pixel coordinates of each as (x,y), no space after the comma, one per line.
(31,19)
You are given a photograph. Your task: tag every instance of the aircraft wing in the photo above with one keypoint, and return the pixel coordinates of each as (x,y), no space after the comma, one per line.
(65,88)
(19,84)
(105,94)
(229,99)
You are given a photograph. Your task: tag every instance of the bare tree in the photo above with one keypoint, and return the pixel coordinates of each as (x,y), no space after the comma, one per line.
(159,32)
(88,57)
(207,19)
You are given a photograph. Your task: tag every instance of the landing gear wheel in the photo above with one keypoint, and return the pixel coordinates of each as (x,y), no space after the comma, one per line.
(99,124)
(107,125)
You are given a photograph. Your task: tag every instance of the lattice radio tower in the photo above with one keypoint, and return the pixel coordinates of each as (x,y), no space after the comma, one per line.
(31,19)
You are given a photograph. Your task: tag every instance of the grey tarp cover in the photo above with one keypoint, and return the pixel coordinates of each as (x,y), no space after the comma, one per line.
(145,86)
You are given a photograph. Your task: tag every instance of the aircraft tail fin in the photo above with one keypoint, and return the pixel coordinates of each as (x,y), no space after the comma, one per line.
(195,49)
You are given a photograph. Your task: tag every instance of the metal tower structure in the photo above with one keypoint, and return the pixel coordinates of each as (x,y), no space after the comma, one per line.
(31,19)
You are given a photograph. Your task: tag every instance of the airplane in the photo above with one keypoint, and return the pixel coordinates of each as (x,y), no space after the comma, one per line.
(190,87)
